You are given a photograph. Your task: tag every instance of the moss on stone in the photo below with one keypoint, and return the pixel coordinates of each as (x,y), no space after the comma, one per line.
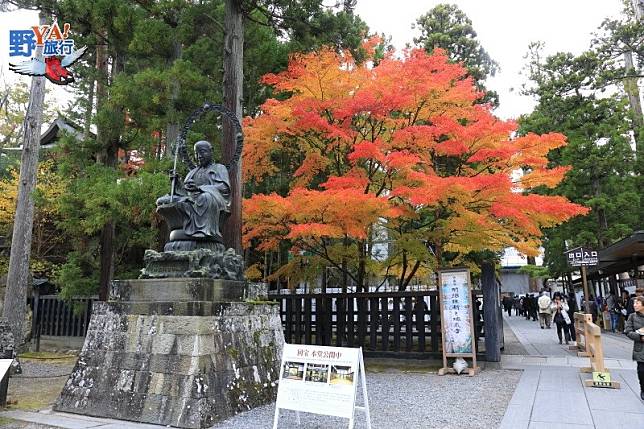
(260,302)
(243,394)
(233,352)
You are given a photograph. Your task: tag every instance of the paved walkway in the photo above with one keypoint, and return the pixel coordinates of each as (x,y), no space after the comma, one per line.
(551,393)
(51,419)
(544,342)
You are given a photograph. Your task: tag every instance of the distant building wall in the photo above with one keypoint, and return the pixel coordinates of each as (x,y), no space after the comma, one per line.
(514,282)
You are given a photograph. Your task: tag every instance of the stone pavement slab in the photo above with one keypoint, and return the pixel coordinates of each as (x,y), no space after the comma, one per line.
(551,393)
(547,407)
(542,425)
(73,421)
(617,420)
(521,362)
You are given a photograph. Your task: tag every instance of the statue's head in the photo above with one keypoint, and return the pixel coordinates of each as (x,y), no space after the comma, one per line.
(203,153)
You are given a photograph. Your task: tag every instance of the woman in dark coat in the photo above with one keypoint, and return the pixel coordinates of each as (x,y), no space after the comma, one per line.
(634,329)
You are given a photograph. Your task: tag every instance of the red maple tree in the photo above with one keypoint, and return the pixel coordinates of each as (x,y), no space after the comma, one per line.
(394,156)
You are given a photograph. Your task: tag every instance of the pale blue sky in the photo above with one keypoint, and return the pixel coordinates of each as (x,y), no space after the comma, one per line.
(505,28)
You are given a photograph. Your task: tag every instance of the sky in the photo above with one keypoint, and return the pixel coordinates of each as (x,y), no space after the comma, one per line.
(504,27)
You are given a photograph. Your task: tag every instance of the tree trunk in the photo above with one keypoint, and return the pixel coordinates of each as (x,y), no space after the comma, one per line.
(632,90)
(532,282)
(172,129)
(233,80)
(602,223)
(491,310)
(18,276)
(88,111)
(360,281)
(108,140)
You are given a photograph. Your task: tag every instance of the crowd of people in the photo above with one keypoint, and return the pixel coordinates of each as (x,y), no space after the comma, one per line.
(612,309)
(546,310)
(624,313)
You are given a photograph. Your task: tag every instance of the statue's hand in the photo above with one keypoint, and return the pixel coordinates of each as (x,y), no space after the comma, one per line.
(190,186)
(173,176)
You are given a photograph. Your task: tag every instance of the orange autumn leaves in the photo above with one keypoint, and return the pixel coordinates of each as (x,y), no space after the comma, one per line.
(403,140)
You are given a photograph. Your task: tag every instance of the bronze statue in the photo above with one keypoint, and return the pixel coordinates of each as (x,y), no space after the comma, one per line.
(196,211)
(201,203)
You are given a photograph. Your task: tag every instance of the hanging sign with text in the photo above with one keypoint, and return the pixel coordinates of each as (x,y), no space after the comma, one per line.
(321,380)
(582,256)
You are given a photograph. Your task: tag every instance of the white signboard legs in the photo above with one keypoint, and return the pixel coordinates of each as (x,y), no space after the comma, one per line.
(321,380)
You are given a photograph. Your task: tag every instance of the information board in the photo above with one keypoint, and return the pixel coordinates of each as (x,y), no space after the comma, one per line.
(321,380)
(457,320)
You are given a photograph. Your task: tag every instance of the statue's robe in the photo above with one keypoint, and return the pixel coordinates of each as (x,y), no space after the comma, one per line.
(204,209)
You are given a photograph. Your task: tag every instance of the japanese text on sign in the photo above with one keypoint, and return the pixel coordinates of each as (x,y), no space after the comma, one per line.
(456,310)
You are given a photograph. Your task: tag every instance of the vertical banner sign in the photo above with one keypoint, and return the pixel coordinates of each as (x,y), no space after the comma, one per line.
(321,380)
(457,320)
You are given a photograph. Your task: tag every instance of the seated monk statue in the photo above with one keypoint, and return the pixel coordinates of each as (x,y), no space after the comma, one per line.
(200,205)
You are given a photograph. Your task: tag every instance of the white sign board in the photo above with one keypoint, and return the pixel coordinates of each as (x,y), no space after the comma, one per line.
(457,312)
(5,364)
(457,319)
(321,380)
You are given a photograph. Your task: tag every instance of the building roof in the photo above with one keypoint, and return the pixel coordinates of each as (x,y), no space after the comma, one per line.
(49,138)
(619,257)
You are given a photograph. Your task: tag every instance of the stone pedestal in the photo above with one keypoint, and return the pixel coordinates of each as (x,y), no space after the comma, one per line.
(178,352)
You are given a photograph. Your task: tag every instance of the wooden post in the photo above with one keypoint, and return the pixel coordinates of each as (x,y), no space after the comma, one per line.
(18,276)
(491,308)
(233,86)
(586,294)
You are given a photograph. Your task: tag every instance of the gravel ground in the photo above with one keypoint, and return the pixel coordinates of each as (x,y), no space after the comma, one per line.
(46,368)
(406,399)
(39,384)
(409,401)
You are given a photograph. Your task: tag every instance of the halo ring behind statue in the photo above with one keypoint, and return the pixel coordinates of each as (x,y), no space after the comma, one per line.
(226,113)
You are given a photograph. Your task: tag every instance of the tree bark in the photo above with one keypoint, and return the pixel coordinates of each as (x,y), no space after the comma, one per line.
(632,90)
(172,129)
(108,140)
(491,310)
(18,276)
(532,282)
(233,80)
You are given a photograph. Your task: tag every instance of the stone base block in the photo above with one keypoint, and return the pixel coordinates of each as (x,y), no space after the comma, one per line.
(177,290)
(182,371)
(215,263)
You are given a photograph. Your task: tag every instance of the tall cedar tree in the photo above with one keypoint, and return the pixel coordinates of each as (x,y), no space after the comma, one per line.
(447,27)
(169,62)
(599,150)
(374,149)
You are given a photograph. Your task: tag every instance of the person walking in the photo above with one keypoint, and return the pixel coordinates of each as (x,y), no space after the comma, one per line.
(544,310)
(572,309)
(611,307)
(533,307)
(507,305)
(634,330)
(559,309)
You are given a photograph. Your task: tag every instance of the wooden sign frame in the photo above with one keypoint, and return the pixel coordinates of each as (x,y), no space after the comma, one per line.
(475,369)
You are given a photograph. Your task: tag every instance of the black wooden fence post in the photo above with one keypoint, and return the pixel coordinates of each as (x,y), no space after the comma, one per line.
(491,308)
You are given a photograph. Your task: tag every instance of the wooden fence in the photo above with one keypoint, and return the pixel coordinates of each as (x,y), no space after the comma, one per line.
(384,324)
(54,316)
